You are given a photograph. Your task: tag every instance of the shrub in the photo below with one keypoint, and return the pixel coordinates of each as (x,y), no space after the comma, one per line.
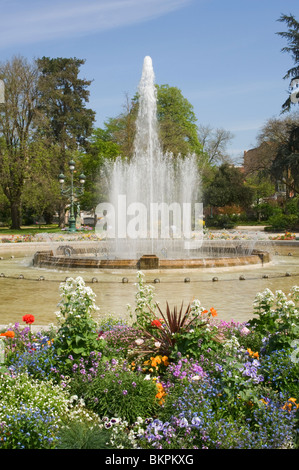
(83,434)
(117,391)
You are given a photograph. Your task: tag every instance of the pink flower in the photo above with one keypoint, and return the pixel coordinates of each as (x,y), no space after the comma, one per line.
(244,331)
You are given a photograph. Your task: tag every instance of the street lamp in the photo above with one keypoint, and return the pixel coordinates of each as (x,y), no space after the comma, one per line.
(72,192)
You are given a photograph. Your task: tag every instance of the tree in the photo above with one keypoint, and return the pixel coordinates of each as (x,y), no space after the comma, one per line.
(121,130)
(285,166)
(228,188)
(177,121)
(100,150)
(273,135)
(62,98)
(214,142)
(18,122)
(41,194)
(292,37)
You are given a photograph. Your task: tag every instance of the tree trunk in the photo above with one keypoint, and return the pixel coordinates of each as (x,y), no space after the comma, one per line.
(15,213)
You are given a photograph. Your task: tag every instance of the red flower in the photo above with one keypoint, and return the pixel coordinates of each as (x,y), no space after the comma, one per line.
(28,319)
(156,323)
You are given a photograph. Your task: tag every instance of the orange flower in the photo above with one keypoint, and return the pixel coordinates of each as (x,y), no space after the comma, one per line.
(204,311)
(213,312)
(252,354)
(289,404)
(155,361)
(8,334)
(165,361)
(161,393)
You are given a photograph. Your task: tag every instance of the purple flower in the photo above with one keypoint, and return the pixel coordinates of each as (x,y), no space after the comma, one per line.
(125,392)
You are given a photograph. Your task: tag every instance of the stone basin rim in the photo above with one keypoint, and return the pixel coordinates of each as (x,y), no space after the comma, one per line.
(146,262)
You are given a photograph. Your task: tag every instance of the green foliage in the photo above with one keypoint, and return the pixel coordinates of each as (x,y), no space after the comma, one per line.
(286,218)
(99,151)
(226,221)
(178,129)
(281,221)
(228,188)
(62,100)
(285,166)
(118,391)
(194,342)
(83,434)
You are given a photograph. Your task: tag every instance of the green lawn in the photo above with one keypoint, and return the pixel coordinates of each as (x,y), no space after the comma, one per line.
(31,229)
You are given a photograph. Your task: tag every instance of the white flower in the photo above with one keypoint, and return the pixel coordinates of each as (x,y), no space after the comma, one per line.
(139,341)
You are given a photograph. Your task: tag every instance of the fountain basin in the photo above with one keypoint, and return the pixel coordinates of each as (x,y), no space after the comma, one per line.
(80,260)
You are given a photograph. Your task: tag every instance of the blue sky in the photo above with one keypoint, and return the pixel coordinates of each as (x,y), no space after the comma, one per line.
(224,55)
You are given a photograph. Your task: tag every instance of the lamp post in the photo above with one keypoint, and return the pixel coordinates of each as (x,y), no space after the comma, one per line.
(72,192)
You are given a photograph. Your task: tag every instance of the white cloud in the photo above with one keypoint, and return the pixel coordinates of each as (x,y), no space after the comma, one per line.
(39,20)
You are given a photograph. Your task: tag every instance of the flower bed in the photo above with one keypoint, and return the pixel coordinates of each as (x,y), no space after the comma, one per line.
(286,236)
(171,379)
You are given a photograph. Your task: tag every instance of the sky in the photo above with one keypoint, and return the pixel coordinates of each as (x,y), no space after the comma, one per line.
(224,55)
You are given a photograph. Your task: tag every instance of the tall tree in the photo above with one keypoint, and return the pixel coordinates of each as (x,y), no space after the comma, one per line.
(62,98)
(292,37)
(18,115)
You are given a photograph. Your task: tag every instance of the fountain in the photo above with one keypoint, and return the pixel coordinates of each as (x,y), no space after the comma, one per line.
(153,219)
